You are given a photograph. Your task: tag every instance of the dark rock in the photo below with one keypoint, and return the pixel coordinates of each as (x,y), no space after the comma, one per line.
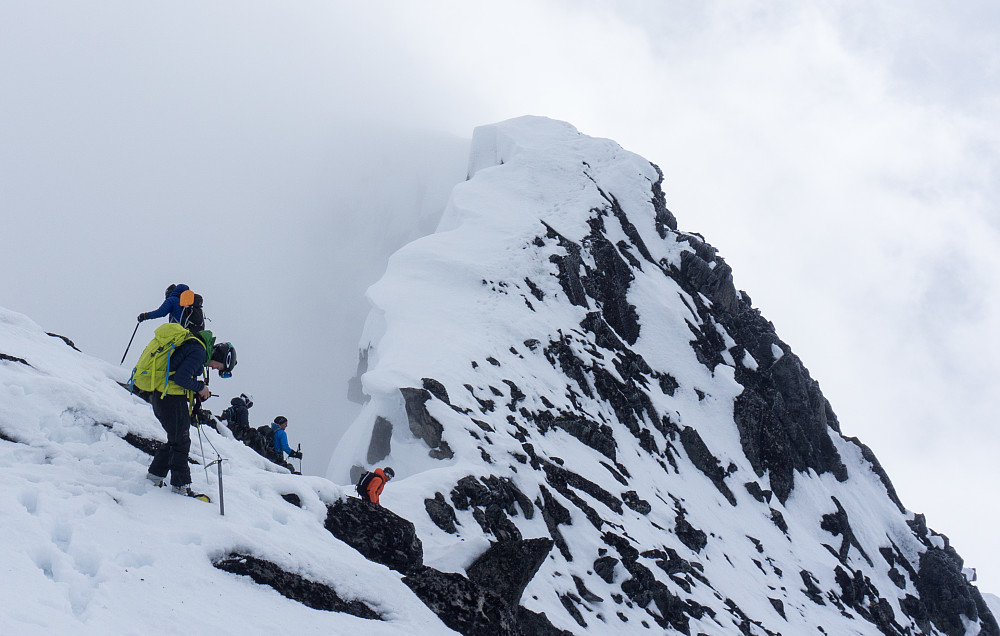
(763,496)
(293,499)
(507,567)
(381,442)
(704,461)
(605,568)
(377,533)
(462,605)
(356,472)
(555,514)
(436,389)
(584,592)
(779,607)
(537,624)
(944,592)
(570,602)
(689,535)
(779,521)
(422,424)
(442,514)
(812,590)
(64,339)
(4,356)
(838,524)
(310,593)
(632,500)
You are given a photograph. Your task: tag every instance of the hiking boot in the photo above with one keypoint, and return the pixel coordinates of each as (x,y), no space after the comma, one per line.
(156,480)
(187,492)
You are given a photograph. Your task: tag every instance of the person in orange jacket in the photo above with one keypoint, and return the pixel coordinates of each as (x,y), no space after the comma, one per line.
(377,482)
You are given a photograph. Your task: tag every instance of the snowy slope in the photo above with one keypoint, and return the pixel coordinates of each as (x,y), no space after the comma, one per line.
(559,361)
(90,547)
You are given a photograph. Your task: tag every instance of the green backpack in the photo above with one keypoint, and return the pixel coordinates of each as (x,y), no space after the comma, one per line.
(151,372)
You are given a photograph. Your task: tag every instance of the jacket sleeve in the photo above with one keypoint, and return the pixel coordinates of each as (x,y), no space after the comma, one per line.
(187,363)
(163,310)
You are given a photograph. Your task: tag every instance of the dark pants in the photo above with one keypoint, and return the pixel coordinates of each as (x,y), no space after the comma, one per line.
(172,411)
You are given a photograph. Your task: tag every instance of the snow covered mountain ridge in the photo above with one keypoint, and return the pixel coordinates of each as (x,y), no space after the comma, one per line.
(560,362)
(593,433)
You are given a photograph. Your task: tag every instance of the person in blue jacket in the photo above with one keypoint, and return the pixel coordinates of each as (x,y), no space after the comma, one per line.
(281,446)
(171,305)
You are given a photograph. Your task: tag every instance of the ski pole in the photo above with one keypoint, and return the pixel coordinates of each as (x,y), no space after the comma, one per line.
(129,343)
(299,451)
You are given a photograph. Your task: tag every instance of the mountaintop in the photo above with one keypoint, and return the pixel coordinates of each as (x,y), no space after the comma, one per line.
(593,431)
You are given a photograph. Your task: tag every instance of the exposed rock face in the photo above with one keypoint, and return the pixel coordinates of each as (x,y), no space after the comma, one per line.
(508,566)
(614,380)
(381,443)
(377,533)
(310,593)
(462,605)
(485,602)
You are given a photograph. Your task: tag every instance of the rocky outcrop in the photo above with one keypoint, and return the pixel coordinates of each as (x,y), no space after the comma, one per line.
(485,602)
(310,593)
(377,533)
(507,567)
(381,443)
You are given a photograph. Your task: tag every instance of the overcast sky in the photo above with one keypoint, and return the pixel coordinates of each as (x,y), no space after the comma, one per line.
(843,157)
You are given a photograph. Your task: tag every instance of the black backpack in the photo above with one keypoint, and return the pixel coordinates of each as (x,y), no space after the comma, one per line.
(193,316)
(362,485)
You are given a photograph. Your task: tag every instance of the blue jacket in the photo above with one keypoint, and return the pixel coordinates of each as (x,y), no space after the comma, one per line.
(280,440)
(171,305)
(187,363)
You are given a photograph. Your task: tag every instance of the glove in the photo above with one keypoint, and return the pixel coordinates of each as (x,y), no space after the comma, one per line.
(141,317)
(295,454)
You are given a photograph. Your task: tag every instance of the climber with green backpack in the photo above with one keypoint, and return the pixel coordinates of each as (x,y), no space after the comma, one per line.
(167,374)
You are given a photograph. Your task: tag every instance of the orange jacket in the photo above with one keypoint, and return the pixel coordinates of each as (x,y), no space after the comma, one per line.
(375,485)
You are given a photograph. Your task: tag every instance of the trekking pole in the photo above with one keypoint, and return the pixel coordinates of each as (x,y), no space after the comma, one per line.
(203,461)
(299,451)
(222,499)
(129,343)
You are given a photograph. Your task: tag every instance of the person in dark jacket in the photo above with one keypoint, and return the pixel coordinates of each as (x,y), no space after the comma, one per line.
(379,479)
(173,410)
(238,416)
(171,305)
(281,446)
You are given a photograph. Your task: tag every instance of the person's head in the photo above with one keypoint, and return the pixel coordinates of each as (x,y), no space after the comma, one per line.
(170,290)
(223,359)
(281,422)
(247,399)
(389,473)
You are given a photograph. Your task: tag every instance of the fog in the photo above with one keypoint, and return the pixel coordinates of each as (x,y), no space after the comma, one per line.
(843,157)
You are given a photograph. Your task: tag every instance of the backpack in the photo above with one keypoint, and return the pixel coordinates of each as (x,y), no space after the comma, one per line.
(267,440)
(192,314)
(362,485)
(152,371)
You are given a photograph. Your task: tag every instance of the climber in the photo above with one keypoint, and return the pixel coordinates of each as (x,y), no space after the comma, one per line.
(374,483)
(172,380)
(238,416)
(281,446)
(180,305)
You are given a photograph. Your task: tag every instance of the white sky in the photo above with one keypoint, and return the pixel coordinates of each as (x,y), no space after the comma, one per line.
(842,156)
